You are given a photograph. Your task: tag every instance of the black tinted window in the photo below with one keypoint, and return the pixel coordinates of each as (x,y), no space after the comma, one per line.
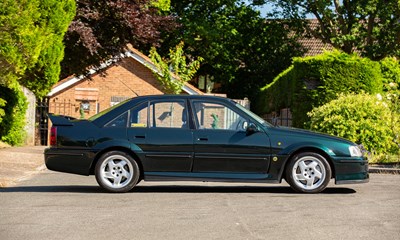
(119,121)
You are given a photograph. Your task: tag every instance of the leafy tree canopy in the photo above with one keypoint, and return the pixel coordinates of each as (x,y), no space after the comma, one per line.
(20,39)
(174,72)
(31,48)
(54,21)
(101,29)
(241,50)
(161,5)
(370,27)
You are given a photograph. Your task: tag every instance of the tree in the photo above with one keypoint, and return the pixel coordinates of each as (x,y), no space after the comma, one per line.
(101,30)
(31,45)
(174,72)
(31,49)
(54,21)
(370,27)
(241,50)
(20,42)
(20,39)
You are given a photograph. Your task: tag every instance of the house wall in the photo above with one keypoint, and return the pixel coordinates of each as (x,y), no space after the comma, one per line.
(124,80)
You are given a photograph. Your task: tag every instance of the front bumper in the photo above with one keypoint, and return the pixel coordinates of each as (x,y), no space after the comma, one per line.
(351,170)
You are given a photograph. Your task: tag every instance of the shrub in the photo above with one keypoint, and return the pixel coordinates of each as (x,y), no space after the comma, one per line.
(13,122)
(390,68)
(2,105)
(313,81)
(362,118)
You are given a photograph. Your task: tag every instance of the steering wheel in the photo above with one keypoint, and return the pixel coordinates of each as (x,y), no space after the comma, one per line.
(242,125)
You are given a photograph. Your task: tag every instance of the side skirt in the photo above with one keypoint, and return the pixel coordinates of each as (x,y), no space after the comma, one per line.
(210,177)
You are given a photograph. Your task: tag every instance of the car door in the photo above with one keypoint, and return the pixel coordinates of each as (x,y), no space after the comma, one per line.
(160,129)
(221,143)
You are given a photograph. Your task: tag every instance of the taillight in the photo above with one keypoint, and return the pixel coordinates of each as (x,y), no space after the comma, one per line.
(53,136)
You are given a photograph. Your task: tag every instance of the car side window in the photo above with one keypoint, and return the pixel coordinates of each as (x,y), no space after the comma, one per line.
(119,121)
(138,116)
(211,115)
(168,114)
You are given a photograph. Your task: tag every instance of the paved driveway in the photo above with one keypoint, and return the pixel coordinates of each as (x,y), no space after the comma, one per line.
(61,206)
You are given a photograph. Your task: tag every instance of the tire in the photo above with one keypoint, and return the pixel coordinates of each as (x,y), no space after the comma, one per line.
(308,172)
(117,172)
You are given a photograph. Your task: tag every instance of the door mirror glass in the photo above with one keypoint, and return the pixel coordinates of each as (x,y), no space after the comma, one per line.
(251,128)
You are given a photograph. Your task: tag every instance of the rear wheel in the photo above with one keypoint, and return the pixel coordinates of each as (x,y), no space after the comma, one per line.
(308,172)
(117,172)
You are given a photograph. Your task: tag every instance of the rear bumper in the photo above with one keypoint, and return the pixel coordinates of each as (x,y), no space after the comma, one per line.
(76,161)
(351,170)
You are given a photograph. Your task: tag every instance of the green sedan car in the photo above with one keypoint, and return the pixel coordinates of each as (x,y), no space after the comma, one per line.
(197,138)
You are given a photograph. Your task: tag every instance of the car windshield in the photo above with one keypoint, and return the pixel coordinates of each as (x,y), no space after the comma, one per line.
(96,116)
(254,116)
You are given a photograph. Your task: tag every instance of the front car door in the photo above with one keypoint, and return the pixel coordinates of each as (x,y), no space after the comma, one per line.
(221,144)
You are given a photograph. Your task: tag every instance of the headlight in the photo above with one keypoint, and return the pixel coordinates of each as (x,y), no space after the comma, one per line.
(355,151)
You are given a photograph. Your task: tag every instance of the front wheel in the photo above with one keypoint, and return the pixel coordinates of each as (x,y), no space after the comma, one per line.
(117,172)
(308,172)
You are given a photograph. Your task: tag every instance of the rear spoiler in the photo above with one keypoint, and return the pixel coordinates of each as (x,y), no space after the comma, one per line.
(60,120)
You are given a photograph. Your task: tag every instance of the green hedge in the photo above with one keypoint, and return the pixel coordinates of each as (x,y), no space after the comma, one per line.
(390,68)
(313,81)
(13,121)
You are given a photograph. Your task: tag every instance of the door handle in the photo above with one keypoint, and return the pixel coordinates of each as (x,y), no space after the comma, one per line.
(140,137)
(202,139)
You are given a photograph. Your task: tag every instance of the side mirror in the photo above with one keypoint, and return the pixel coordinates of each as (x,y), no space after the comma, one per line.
(251,128)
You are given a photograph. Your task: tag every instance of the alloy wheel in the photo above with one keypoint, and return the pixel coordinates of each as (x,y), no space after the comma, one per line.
(309,173)
(116,171)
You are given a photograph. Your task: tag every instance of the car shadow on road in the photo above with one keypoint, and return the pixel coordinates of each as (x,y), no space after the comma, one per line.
(171,189)
(231,189)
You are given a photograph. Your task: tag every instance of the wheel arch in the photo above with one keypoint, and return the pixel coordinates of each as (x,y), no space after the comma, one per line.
(309,149)
(121,149)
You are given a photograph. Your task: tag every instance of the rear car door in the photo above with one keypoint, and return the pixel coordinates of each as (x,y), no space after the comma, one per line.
(160,128)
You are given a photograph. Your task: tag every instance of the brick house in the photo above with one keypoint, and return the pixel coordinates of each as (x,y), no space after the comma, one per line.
(314,46)
(114,82)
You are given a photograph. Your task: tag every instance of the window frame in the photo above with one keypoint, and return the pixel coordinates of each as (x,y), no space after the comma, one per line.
(129,123)
(126,120)
(230,107)
(150,122)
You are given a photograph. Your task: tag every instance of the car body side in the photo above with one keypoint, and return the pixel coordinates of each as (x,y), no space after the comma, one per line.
(80,143)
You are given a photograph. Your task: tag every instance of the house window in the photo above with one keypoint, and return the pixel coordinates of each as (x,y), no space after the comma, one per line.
(205,83)
(85,105)
(117,99)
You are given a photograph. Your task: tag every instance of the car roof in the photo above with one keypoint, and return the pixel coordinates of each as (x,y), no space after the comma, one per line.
(174,96)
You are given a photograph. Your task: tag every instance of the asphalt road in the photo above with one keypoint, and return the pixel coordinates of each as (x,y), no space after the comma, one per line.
(61,206)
